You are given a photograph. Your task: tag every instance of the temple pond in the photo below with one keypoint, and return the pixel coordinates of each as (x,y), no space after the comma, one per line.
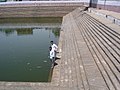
(24,48)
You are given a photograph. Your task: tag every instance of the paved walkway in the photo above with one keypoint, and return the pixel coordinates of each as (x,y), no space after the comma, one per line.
(90,57)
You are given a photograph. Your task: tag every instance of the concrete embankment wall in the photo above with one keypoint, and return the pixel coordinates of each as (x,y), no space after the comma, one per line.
(38,8)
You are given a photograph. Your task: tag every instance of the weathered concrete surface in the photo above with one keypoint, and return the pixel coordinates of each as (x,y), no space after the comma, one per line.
(38,8)
(30,25)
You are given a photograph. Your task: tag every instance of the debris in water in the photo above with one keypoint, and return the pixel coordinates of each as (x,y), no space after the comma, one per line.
(28,63)
(38,67)
(45,61)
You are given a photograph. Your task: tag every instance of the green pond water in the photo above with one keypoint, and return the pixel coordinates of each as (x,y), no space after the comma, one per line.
(24,49)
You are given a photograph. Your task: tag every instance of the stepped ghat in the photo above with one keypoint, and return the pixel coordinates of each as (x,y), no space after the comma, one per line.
(38,8)
(90,56)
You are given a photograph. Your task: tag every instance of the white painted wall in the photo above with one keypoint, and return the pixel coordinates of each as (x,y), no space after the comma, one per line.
(106,2)
(109,2)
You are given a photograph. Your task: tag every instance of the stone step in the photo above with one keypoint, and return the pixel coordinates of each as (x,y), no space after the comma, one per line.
(87,63)
(109,64)
(111,33)
(107,42)
(98,59)
(81,27)
(80,69)
(86,24)
(37,9)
